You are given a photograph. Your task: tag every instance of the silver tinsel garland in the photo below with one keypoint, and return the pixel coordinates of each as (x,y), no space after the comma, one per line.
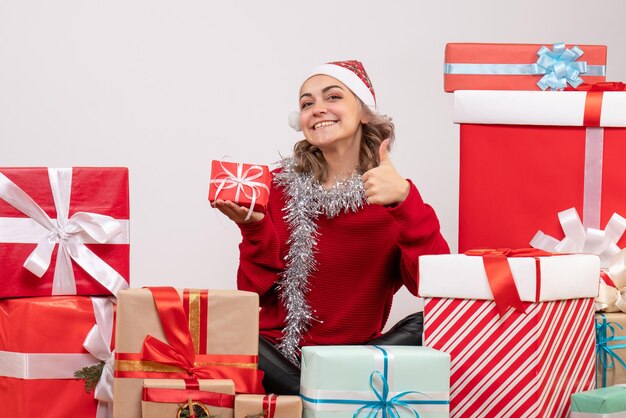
(306,199)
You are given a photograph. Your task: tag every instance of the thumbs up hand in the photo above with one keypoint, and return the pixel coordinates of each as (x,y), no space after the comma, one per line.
(383,184)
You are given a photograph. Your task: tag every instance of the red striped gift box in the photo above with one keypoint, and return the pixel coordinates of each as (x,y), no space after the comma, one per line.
(526,352)
(523,365)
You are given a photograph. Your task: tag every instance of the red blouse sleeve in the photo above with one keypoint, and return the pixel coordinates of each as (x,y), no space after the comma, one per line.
(259,255)
(419,234)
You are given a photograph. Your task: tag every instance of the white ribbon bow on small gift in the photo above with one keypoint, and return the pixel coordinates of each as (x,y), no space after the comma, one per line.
(98,342)
(602,243)
(243,181)
(69,233)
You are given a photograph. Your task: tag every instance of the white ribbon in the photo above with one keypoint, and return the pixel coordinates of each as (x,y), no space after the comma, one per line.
(602,243)
(43,365)
(578,240)
(63,366)
(98,343)
(68,233)
(592,190)
(242,180)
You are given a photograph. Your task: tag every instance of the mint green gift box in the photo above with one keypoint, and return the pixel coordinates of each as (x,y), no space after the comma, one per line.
(338,381)
(608,402)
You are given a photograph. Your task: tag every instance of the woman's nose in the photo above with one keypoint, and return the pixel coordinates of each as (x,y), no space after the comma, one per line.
(319,109)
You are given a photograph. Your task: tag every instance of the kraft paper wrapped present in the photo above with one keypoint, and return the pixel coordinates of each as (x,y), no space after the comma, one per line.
(165,398)
(63,231)
(268,406)
(611,349)
(508,351)
(43,342)
(609,402)
(481,66)
(164,333)
(344,381)
(245,184)
(527,157)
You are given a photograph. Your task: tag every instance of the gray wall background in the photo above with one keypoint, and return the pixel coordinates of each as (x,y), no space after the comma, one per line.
(164,87)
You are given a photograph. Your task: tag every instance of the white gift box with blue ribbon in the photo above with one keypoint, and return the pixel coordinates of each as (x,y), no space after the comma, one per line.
(375,381)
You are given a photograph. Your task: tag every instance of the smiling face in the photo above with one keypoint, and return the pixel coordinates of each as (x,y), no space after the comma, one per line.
(330,114)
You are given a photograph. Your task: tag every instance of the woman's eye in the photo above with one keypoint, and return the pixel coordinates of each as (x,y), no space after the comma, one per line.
(334,97)
(305,105)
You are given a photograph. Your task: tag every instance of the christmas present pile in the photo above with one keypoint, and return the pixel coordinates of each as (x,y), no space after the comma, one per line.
(532,163)
(64,249)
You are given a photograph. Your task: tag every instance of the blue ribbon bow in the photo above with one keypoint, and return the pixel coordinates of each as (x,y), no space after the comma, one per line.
(388,407)
(559,67)
(605,333)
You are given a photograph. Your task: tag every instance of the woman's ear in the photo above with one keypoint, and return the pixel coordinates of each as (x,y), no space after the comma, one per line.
(365,116)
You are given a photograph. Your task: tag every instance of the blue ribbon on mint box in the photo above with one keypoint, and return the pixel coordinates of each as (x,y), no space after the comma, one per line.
(558,67)
(382,402)
(605,334)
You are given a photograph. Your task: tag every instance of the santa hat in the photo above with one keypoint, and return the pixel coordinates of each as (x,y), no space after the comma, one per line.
(352,74)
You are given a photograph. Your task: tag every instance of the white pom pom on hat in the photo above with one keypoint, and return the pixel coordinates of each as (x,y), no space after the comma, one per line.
(352,74)
(294,121)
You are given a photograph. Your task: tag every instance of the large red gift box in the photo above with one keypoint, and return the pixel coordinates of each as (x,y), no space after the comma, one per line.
(245,184)
(527,156)
(76,220)
(480,66)
(526,361)
(41,346)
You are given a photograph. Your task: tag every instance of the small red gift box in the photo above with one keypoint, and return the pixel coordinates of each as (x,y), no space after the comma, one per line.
(245,184)
(63,231)
(527,156)
(42,346)
(477,66)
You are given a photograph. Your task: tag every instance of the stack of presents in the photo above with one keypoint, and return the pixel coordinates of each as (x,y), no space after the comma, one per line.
(526,321)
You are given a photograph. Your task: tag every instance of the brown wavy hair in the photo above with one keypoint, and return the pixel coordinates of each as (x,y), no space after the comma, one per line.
(309,159)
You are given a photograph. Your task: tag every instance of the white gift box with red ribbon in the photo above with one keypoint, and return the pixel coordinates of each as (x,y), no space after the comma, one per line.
(512,360)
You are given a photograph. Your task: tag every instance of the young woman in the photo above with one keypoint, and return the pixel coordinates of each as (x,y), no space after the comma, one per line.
(342,233)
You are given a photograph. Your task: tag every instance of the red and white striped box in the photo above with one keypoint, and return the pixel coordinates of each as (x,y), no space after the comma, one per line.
(518,364)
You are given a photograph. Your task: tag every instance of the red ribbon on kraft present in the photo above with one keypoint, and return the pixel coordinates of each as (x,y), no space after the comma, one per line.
(269,405)
(178,359)
(164,395)
(500,277)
